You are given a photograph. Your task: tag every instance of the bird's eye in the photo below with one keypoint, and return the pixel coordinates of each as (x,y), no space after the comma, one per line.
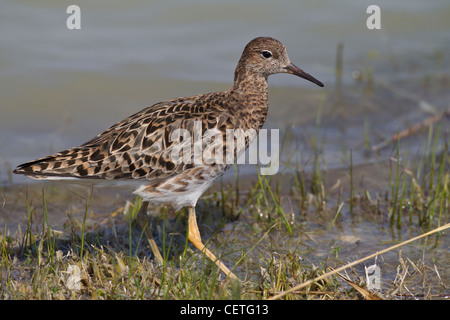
(266,54)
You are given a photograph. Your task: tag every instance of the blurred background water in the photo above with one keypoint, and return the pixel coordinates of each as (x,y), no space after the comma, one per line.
(61,87)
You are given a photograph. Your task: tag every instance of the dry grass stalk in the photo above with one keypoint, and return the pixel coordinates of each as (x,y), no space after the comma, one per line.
(328,274)
(412,130)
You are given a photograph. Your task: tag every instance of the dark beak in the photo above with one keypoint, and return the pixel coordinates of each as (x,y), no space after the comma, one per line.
(293,69)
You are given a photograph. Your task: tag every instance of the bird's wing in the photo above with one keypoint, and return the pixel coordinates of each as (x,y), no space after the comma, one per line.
(141,146)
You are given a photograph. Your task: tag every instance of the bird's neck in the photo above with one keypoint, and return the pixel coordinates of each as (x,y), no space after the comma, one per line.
(249,87)
(250,84)
(249,96)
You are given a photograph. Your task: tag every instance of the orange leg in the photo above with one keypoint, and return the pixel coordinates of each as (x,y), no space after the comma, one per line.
(194,237)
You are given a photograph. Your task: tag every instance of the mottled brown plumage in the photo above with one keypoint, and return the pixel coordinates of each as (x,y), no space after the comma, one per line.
(139,149)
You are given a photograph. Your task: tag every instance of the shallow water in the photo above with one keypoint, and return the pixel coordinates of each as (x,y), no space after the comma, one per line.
(59,88)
